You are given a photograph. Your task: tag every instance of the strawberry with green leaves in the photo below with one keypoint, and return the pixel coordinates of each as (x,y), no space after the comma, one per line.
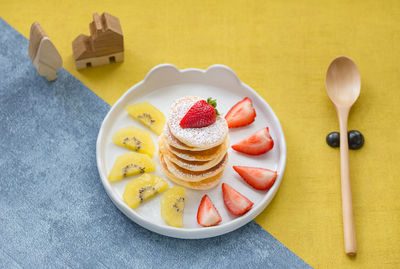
(201,114)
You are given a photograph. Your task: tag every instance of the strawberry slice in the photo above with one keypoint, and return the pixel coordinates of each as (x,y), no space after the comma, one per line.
(258,143)
(241,114)
(207,214)
(258,178)
(236,203)
(201,114)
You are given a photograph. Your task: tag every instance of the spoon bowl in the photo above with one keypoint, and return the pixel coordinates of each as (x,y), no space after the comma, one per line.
(343,81)
(343,85)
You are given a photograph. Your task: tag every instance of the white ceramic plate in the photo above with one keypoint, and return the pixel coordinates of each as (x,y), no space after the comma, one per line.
(162,85)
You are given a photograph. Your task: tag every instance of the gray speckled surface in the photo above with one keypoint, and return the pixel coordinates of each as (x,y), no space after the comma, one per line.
(54,211)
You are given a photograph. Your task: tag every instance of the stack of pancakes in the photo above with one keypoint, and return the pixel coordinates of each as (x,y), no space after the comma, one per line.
(193,157)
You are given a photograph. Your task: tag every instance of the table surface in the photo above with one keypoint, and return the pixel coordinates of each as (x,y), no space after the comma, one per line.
(281,49)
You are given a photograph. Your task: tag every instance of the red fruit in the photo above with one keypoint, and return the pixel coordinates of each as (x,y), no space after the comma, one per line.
(258,178)
(201,114)
(241,114)
(258,143)
(236,203)
(207,214)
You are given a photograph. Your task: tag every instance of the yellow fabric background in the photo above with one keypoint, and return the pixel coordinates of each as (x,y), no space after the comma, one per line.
(282,50)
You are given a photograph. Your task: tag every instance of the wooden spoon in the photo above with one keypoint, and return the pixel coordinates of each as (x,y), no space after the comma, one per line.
(343,85)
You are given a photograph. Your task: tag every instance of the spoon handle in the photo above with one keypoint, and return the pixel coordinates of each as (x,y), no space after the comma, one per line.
(347,204)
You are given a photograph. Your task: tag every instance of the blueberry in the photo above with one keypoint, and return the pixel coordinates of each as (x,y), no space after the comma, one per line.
(356,139)
(333,139)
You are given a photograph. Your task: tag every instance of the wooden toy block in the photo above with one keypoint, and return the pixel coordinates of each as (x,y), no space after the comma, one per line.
(43,53)
(104,45)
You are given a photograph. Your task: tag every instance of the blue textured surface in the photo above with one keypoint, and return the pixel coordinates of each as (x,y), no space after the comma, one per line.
(54,211)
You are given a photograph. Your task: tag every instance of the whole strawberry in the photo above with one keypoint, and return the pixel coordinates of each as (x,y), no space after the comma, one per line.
(201,114)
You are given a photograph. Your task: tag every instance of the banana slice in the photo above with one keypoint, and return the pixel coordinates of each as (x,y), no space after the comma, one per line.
(142,189)
(147,114)
(130,164)
(172,206)
(134,139)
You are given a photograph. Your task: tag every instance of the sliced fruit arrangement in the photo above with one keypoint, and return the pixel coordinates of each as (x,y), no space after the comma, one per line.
(241,114)
(142,189)
(172,206)
(149,115)
(207,214)
(258,178)
(134,139)
(201,114)
(130,164)
(234,201)
(258,143)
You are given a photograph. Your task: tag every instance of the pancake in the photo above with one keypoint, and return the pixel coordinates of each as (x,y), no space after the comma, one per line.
(205,184)
(193,157)
(205,137)
(171,140)
(204,155)
(185,164)
(195,176)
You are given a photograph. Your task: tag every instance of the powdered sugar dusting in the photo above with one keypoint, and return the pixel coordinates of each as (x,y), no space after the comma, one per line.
(205,137)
